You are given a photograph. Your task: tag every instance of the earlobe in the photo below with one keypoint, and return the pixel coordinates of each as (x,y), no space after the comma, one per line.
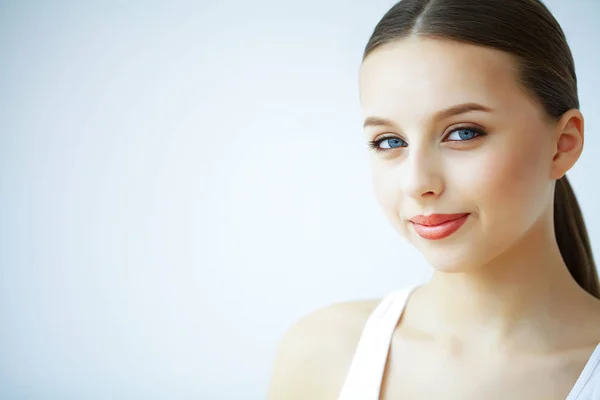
(569,142)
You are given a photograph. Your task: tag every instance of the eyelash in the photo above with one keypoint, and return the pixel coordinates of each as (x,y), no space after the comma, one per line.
(374,144)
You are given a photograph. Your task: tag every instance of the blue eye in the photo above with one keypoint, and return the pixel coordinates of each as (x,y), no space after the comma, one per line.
(462,132)
(393,142)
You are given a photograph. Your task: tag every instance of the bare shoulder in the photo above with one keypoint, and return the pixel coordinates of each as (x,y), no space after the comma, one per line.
(315,353)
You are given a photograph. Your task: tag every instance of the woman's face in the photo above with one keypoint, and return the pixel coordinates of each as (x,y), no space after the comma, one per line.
(492,160)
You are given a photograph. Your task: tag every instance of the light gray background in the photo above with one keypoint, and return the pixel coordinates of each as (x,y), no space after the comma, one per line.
(180,182)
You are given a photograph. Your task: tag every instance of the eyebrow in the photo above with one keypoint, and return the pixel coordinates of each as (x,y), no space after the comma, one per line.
(448,112)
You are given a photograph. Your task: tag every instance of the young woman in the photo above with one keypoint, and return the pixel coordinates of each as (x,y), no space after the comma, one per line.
(471,112)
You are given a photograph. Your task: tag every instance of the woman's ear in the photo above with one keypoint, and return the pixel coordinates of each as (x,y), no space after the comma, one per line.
(568,142)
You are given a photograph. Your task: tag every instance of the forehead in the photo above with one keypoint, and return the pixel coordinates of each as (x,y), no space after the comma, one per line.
(417,76)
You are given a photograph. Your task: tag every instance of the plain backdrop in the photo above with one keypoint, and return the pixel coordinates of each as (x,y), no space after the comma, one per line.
(180,182)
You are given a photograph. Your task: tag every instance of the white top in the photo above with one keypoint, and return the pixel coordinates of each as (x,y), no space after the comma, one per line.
(363,381)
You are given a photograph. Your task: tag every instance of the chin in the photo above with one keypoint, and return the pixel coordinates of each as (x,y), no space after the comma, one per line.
(449,268)
(446,265)
(452,259)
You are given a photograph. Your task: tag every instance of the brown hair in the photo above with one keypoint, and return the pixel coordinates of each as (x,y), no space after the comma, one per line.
(527,30)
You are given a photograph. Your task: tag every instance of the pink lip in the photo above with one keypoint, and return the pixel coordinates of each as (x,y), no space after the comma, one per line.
(438,226)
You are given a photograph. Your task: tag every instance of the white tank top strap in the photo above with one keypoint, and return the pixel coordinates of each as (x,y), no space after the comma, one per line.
(364,378)
(363,381)
(587,386)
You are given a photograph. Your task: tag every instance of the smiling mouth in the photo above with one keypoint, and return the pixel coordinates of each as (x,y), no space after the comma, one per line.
(439,231)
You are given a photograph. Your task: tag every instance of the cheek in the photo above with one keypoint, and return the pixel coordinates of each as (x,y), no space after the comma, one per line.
(386,188)
(383,188)
(510,181)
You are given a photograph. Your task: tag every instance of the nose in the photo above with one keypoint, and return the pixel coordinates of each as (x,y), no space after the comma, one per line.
(422,175)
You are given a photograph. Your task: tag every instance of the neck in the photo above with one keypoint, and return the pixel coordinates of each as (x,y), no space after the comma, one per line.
(513,300)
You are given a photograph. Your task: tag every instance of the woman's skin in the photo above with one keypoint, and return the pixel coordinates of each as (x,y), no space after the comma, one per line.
(501,317)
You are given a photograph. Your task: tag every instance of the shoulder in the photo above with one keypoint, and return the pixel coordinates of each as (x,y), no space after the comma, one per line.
(315,353)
